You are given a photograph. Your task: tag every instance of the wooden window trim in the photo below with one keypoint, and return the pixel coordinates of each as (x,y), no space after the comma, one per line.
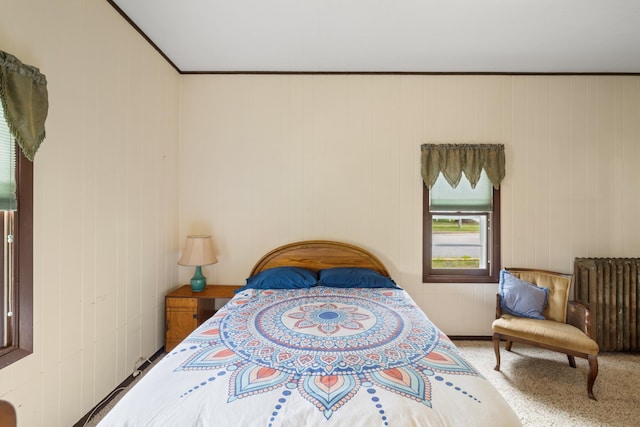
(22,344)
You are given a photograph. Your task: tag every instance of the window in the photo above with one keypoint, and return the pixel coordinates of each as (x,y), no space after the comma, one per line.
(16,300)
(461,232)
(461,212)
(24,104)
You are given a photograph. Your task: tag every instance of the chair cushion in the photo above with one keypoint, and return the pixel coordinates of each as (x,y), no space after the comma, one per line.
(549,332)
(521,298)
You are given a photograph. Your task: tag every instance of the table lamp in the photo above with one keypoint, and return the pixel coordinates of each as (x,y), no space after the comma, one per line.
(198,252)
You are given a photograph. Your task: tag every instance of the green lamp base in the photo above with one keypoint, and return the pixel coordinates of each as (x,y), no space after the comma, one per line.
(198,281)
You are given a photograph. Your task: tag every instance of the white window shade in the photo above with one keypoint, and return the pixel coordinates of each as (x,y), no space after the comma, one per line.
(7,167)
(463,198)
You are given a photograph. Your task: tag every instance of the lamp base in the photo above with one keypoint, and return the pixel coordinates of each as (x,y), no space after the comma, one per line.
(198,281)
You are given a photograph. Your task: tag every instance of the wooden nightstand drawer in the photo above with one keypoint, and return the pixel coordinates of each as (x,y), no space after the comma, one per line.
(181,303)
(186,310)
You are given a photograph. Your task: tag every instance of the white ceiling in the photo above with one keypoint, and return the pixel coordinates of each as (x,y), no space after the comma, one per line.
(404,36)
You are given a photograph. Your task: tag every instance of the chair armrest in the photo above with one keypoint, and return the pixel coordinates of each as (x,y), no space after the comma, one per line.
(579,316)
(498,309)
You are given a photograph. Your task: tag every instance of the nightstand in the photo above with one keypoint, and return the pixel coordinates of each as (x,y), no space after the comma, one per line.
(186,310)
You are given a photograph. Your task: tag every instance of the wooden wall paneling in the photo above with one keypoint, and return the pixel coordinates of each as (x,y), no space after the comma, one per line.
(580,196)
(539,142)
(630,174)
(560,173)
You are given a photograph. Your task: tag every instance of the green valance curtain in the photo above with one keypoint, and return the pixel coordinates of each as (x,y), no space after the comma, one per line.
(24,97)
(453,159)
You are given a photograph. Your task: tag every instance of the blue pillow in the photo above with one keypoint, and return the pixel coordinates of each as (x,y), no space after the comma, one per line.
(282,278)
(354,277)
(520,298)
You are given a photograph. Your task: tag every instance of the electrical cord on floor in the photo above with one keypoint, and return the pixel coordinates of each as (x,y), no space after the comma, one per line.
(138,370)
(113,393)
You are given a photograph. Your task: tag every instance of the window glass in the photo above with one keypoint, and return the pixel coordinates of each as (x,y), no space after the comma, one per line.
(459,241)
(7,205)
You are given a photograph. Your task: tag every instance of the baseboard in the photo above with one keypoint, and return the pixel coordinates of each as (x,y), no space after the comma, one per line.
(114,392)
(470,337)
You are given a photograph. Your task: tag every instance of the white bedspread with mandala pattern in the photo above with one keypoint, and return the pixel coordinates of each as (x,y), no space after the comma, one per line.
(315,357)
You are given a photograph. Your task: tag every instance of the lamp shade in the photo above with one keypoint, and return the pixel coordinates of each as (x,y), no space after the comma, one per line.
(198,251)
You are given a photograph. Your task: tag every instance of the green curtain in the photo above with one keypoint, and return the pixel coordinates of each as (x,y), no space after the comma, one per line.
(453,159)
(24,97)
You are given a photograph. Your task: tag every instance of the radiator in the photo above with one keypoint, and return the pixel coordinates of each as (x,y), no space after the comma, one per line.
(611,289)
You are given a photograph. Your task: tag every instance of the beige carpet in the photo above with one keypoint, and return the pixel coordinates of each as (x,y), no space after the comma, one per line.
(544,391)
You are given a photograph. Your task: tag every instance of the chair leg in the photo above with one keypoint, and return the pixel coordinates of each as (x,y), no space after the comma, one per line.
(496,349)
(508,346)
(593,373)
(572,361)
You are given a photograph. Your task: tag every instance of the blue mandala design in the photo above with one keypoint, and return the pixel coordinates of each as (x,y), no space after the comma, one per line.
(327,345)
(328,318)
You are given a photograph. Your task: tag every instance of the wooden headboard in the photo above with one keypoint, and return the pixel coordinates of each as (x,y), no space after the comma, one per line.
(319,254)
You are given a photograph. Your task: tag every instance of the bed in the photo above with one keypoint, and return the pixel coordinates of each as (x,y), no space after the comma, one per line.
(320,336)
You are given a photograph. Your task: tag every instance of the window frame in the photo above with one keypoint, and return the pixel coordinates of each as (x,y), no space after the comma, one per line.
(489,275)
(22,327)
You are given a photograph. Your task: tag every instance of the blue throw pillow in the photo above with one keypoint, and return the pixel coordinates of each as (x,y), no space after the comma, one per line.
(282,278)
(354,277)
(520,298)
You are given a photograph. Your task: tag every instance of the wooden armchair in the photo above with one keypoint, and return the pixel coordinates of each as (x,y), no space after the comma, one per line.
(566,328)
